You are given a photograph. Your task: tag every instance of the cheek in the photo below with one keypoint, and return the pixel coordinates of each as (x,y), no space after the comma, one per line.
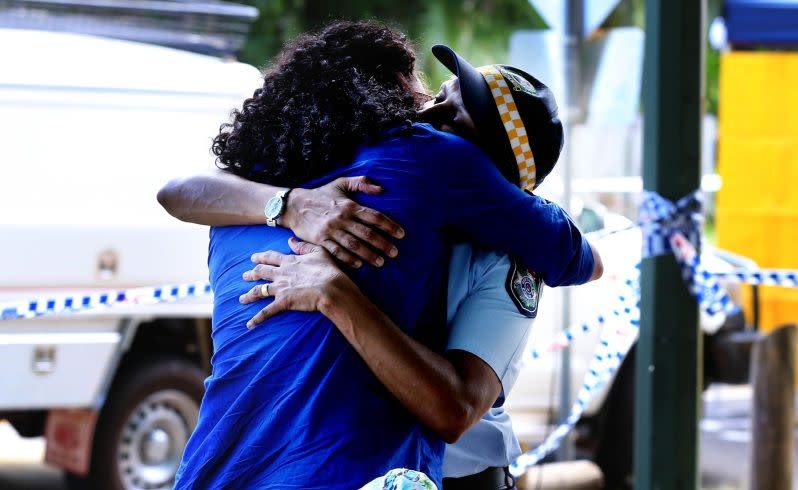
(465,126)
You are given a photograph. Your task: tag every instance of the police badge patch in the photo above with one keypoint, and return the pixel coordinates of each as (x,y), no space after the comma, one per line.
(519,83)
(524,288)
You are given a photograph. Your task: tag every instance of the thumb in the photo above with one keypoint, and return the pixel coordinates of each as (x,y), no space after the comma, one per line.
(301,248)
(359,184)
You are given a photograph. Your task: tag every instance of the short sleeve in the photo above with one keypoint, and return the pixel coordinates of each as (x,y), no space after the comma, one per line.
(488,323)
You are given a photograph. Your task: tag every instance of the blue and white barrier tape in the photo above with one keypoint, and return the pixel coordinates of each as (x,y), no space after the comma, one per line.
(660,219)
(564,338)
(712,298)
(765,277)
(616,339)
(82,302)
(667,228)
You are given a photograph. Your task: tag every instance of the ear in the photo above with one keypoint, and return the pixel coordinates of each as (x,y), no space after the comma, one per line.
(438,113)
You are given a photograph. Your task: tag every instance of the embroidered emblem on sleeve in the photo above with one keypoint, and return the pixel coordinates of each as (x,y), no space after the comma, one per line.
(524,288)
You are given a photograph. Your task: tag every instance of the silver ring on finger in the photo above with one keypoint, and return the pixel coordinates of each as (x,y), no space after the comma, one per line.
(264,290)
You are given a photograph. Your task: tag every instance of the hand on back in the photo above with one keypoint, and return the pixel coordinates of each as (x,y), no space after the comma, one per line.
(352,233)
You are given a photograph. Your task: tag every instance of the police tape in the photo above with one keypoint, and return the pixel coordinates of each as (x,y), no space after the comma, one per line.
(75,303)
(565,337)
(660,221)
(667,228)
(618,336)
(764,277)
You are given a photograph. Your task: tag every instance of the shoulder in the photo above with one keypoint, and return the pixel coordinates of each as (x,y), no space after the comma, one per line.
(424,140)
(476,267)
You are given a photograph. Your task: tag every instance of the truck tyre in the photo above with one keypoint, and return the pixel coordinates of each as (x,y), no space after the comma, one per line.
(144,425)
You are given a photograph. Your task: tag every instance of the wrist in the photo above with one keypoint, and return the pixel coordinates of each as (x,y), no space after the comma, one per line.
(337,295)
(293,204)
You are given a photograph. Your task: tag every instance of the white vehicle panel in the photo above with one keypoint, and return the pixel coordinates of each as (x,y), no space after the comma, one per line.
(42,359)
(91,129)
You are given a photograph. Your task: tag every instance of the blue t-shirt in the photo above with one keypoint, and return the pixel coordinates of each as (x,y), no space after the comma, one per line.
(290,404)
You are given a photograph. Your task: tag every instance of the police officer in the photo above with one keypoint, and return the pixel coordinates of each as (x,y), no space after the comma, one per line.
(492,300)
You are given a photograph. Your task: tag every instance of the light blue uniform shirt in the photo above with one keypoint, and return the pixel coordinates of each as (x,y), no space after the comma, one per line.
(490,310)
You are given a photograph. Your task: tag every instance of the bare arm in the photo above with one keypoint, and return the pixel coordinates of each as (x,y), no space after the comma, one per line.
(325,215)
(598,265)
(216,199)
(448,393)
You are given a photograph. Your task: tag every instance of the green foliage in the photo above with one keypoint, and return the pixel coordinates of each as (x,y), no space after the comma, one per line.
(478,29)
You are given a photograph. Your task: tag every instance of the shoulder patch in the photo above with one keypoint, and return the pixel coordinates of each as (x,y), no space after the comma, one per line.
(524,288)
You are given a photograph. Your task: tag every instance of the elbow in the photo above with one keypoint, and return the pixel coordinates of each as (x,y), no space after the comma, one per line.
(169,197)
(458,418)
(598,265)
(451,433)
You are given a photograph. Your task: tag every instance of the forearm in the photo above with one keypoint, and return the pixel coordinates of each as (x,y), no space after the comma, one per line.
(598,264)
(220,199)
(425,382)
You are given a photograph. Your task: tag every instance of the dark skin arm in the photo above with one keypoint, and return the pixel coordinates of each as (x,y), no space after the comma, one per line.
(447,393)
(325,215)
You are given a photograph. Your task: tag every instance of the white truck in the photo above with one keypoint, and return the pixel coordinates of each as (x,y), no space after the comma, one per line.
(90,129)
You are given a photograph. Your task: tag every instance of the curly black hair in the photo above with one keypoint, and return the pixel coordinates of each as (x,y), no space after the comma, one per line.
(324,95)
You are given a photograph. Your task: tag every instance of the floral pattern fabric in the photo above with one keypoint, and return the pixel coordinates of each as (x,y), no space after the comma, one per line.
(401,479)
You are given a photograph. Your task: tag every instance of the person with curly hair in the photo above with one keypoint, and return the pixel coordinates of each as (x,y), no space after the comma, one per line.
(291,404)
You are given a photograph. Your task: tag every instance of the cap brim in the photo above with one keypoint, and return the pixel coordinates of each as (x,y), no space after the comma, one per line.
(480,104)
(471,81)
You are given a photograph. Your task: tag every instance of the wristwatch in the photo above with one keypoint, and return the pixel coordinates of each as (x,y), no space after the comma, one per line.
(276,206)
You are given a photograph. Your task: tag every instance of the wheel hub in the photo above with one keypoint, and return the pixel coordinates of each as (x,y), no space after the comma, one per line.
(153,438)
(155,446)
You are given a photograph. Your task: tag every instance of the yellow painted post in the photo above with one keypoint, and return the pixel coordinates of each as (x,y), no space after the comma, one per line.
(757,207)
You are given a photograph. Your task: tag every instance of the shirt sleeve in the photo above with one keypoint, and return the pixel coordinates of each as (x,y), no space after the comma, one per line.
(488,324)
(488,210)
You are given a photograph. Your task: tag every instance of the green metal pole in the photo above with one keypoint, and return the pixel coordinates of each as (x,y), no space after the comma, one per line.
(669,364)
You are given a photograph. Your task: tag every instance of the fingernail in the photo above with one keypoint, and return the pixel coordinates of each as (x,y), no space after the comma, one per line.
(400,233)
(241,299)
(379,261)
(357,264)
(245,276)
(249,325)
(393,252)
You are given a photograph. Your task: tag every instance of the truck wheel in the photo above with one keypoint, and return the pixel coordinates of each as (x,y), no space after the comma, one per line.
(144,426)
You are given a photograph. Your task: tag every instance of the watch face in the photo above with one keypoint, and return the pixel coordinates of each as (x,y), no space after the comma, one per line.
(273,208)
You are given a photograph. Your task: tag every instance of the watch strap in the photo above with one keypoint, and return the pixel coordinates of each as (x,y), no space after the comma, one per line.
(282,196)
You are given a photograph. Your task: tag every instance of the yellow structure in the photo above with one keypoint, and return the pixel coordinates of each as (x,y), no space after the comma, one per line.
(757,207)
